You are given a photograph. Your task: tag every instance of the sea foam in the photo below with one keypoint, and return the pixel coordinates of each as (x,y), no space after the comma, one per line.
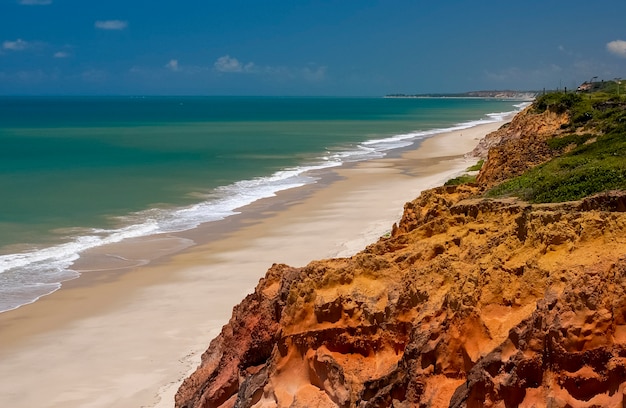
(26,276)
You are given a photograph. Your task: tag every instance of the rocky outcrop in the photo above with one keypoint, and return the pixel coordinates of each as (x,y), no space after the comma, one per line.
(470,302)
(518,145)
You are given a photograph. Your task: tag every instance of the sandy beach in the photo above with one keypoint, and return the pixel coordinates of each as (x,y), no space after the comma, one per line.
(126,337)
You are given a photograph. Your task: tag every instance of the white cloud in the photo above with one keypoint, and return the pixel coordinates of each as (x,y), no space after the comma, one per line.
(111,24)
(310,73)
(35,2)
(61,54)
(17,45)
(172,65)
(229,64)
(617,47)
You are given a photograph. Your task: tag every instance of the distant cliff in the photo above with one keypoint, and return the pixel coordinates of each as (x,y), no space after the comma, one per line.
(470,302)
(502,94)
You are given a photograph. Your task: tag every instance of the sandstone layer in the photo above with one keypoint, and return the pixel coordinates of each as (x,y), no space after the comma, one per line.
(469,302)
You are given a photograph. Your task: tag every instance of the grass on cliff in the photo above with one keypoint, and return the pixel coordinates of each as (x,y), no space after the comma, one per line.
(466,178)
(588,164)
(477,166)
(463,179)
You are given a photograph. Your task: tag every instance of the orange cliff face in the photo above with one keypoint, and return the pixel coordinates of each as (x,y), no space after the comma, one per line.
(470,303)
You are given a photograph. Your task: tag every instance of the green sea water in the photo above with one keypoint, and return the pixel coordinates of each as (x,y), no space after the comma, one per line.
(80,172)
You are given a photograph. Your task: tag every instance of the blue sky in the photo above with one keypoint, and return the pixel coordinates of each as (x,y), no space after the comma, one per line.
(291,47)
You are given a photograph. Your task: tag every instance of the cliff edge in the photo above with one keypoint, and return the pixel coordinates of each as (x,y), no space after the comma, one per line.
(470,302)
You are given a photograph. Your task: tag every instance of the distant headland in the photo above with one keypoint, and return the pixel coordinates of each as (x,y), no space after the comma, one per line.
(504,94)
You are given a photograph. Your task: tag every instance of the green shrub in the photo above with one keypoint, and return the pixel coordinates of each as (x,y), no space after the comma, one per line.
(558,102)
(559,143)
(588,169)
(477,166)
(464,179)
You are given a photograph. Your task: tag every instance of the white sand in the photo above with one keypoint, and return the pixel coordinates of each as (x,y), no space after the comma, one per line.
(128,340)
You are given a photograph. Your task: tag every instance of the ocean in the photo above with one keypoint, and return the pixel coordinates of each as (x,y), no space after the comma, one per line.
(77,173)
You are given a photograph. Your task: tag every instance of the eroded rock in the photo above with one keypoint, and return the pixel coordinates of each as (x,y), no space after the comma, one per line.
(470,302)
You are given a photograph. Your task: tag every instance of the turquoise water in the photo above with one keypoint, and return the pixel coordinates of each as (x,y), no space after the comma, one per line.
(76,172)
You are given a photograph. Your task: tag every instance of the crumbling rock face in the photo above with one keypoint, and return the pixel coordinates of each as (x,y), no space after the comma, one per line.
(570,352)
(469,303)
(246,342)
(518,145)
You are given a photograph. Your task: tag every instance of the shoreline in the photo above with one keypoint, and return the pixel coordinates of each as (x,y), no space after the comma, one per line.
(86,249)
(139,330)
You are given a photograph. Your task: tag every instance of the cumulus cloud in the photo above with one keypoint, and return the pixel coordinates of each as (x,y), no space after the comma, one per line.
(17,45)
(35,2)
(172,65)
(229,64)
(111,24)
(61,54)
(617,47)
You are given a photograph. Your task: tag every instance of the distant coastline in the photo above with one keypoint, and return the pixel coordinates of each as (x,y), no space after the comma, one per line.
(504,94)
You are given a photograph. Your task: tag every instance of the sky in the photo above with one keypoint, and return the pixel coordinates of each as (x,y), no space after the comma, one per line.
(306,47)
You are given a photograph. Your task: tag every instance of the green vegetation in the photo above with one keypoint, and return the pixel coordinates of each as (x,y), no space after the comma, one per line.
(464,179)
(557,102)
(477,166)
(593,162)
(575,140)
(566,178)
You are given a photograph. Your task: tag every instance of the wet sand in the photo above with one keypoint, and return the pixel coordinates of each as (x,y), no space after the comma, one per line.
(128,331)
